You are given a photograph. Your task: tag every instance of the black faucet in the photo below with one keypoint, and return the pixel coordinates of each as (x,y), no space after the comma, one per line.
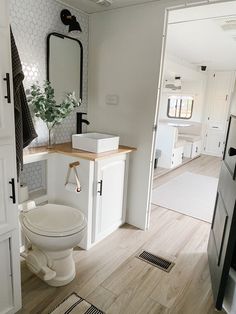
(80,121)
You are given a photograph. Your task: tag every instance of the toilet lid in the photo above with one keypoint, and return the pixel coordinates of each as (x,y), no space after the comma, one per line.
(54,220)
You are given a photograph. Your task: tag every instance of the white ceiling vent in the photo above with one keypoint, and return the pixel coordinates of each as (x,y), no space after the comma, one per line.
(103,3)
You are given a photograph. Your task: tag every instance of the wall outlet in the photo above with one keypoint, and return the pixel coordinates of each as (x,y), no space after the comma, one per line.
(112,100)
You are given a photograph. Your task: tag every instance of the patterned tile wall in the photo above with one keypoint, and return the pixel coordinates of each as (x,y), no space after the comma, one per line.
(32,21)
(34,176)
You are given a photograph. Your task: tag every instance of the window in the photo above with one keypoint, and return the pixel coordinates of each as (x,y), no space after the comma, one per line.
(180,107)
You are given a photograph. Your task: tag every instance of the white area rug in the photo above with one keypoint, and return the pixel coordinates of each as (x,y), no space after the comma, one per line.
(189,194)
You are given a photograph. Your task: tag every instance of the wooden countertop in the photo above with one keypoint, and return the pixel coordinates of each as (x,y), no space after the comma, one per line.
(66,149)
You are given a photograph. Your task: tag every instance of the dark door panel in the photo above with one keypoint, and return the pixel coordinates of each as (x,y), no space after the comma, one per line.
(219,226)
(222,238)
(227,188)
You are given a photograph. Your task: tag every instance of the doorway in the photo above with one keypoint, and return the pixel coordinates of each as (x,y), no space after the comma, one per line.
(198,82)
(197,86)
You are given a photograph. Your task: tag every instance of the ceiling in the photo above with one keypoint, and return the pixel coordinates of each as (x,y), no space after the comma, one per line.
(195,34)
(89,6)
(204,42)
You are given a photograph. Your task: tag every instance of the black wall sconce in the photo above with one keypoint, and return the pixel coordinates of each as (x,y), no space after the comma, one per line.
(68,19)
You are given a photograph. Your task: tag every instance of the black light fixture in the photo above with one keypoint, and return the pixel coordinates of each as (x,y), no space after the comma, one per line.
(68,19)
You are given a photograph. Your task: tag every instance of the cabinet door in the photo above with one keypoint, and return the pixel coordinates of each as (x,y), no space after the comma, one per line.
(177,157)
(214,143)
(8,206)
(110,174)
(6,104)
(6,295)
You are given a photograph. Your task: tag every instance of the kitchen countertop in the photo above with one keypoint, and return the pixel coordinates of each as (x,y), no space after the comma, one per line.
(34,153)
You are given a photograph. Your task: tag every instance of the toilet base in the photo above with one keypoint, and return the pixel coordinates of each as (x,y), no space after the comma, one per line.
(55,268)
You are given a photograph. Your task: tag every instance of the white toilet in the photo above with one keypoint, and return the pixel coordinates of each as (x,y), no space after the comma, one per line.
(52,232)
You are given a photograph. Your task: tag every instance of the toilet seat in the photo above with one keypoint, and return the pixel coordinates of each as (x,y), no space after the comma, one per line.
(53,220)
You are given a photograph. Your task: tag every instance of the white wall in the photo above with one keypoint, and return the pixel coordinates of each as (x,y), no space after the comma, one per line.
(124,59)
(193,84)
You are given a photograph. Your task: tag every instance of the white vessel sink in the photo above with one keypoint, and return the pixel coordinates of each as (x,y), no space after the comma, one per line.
(95,142)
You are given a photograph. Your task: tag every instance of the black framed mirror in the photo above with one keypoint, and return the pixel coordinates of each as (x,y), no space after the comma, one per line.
(65,65)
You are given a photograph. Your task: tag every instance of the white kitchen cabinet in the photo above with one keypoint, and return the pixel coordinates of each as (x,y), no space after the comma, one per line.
(103,191)
(108,201)
(10,291)
(220,86)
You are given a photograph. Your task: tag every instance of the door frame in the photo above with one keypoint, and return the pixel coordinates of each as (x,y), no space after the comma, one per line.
(196,3)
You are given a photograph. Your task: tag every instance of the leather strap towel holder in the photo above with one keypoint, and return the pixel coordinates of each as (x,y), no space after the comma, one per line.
(73,187)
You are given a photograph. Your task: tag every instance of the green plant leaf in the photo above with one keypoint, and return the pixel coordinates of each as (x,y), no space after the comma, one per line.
(43,103)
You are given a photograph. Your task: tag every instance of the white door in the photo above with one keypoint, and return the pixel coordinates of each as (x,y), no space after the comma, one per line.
(10,291)
(109,179)
(6,295)
(6,101)
(220,87)
(219,92)
(8,208)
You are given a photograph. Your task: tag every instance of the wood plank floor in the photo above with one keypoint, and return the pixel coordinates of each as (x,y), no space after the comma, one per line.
(204,165)
(113,279)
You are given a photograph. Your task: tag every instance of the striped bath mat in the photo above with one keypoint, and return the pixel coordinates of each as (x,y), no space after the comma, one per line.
(74,304)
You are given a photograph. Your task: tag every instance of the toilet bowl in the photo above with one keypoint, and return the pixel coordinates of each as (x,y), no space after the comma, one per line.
(52,232)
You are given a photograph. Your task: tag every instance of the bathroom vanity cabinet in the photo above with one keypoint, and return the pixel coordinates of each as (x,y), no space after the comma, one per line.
(103,178)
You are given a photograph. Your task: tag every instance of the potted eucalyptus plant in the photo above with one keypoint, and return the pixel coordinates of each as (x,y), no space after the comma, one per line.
(43,103)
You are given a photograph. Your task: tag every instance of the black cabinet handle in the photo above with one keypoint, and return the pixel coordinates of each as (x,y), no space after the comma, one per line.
(232,151)
(100,190)
(13,196)
(7,79)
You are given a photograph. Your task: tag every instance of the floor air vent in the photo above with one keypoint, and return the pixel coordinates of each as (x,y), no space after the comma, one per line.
(156,261)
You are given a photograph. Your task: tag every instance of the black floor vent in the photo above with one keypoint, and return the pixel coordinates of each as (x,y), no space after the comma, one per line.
(156,261)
